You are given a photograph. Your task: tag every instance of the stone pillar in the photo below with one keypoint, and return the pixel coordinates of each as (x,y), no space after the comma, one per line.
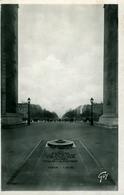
(110,91)
(9,63)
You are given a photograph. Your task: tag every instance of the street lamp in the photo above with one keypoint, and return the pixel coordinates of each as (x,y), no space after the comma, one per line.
(29,100)
(91,101)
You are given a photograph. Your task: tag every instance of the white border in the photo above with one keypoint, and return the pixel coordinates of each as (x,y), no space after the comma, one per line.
(121,95)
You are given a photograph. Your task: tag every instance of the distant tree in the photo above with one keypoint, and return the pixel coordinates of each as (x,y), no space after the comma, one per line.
(42,114)
(70,115)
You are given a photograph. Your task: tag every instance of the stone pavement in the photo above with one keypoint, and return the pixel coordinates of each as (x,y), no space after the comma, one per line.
(26,161)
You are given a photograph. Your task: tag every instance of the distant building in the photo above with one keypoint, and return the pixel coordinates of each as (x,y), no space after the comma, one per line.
(79,109)
(97,108)
(97,111)
(22,109)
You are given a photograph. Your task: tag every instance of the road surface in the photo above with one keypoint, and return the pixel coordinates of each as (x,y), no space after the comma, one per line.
(28,165)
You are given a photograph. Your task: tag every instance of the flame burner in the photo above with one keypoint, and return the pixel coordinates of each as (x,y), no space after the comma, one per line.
(60,143)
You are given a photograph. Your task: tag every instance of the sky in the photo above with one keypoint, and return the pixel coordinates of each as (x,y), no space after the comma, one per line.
(60,55)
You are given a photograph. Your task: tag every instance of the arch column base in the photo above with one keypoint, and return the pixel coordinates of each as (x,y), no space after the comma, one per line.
(10,120)
(108,121)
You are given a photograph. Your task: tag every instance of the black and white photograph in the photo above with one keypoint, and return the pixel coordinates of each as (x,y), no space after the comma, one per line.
(59,97)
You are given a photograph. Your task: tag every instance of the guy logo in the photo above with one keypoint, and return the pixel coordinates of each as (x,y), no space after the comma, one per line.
(103,175)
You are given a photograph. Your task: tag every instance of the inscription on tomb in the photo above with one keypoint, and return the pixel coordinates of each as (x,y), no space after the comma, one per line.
(60,156)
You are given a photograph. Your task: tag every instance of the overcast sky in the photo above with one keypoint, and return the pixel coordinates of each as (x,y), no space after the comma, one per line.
(60,55)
